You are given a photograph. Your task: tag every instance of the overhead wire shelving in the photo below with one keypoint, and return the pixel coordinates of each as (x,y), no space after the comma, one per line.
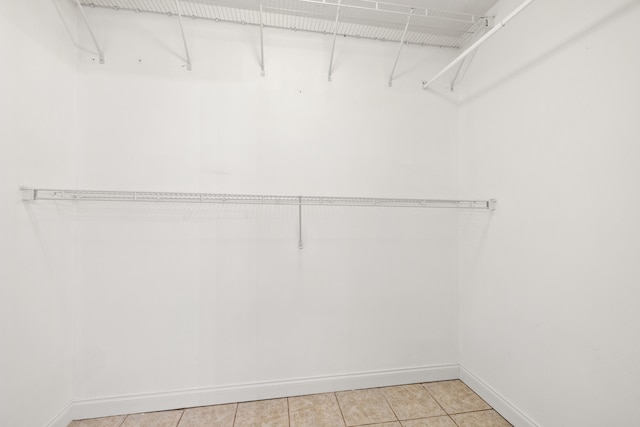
(365,19)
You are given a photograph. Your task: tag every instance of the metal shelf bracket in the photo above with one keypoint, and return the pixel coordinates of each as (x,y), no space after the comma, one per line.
(404,37)
(184,39)
(335,35)
(93,36)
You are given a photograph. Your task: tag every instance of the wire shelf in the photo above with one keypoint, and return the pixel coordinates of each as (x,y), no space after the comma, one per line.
(152,196)
(358,18)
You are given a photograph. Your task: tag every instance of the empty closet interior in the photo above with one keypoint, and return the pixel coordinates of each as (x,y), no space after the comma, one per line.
(213,201)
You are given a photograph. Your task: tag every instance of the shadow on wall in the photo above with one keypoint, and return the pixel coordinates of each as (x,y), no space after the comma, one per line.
(500,80)
(474,229)
(196,211)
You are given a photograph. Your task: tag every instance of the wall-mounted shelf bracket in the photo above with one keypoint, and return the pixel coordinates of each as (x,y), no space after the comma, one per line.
(184,39)
(487,24)
(335,35)
(454,80)
(402,40)
(93,36)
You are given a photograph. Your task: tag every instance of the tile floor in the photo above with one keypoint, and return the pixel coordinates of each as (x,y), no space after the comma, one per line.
(437,404)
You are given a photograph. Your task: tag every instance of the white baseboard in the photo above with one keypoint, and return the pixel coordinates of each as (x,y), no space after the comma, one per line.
(509,411)
(93,408)
(63,418)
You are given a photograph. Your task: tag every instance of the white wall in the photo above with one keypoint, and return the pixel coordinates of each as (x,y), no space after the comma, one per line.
(549,286)
(180,297)
(37,146)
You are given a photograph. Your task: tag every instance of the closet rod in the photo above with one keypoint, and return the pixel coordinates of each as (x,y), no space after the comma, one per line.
(474,46)
(152,196)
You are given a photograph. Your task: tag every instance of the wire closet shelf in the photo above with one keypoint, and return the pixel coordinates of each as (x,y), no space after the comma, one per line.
(366,19)
(152,196)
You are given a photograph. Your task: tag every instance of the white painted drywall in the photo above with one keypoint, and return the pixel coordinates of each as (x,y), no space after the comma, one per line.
(549,286)
(182,297)
(37,145)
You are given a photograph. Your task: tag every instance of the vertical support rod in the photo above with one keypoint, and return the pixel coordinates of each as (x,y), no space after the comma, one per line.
(300,245)
(452,86)
(404,36)
(335,34)
(261,43)
(184,39)
(93,36)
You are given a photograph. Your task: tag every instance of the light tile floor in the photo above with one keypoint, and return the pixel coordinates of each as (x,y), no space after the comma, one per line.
(437,404)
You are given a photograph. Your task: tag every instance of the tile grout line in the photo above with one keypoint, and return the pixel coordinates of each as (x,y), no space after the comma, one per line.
(477,410)
(335,396)
(453,421)
(288,411)
(180,419)
(434,398)
(123,420)
(235,415)
(389,404)
(481,410)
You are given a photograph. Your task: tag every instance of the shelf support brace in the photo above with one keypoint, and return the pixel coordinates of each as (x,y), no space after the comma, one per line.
(474,46)
(93,36)
(452,86)
(261,42)
(335,34)
(300,244)
(404,36)
(467,60)
(184,39)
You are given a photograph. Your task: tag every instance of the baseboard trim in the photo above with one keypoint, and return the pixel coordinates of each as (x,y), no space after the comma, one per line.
(131,404)
(505,408)
(63,418)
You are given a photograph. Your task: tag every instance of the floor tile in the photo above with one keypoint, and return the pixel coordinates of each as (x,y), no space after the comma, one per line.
(263,413)
(412,401)
(480,419)
(100,422)
(153,419)
(393,424)
(364,407)
(455,397)
(430,422)
(318,410)
(209,416)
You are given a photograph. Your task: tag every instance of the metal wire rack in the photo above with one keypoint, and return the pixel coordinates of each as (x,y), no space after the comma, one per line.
(151,196)
(31,194)
(365,19)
